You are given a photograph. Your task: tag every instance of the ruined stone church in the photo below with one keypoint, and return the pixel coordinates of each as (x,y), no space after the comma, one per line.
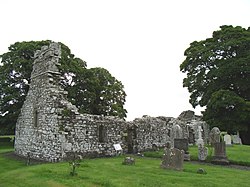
(49,126)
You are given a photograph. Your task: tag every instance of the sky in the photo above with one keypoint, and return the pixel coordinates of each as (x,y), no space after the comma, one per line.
(140,42)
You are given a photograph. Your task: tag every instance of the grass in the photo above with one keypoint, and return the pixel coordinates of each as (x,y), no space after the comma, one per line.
(109,172)
(237,154)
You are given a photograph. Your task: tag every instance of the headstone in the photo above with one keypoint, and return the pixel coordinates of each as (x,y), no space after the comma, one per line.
(202,152)
(182,144)
(177,131)
(220,156)
(201,171)
(236,139)
(128,161)
(228,140)
(191,138)
(214,135)
(200,140)
(173,159)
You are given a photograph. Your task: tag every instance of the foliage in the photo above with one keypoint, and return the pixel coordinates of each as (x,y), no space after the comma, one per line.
(101,94)
(216,68)
(94,91)
(15,70)
(74,163)
(226,109)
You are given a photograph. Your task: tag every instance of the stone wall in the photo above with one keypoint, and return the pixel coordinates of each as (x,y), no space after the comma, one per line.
(49,126)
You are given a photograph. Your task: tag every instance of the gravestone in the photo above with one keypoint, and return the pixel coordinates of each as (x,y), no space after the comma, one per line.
(228,140)
(177,131)
(128,161)
(200,140)
(191,138)
(220,156)
(236,139)
(182,144)
(214,135)
(202,152)
(173,159)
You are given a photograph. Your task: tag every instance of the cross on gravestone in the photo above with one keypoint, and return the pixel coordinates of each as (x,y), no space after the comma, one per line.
(200,140)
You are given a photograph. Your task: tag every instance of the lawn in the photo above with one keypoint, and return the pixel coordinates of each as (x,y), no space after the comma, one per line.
(110,172)
(237,154)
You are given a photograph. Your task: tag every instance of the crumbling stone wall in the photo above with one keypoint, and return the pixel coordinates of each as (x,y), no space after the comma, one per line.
(49,126)
(151,133)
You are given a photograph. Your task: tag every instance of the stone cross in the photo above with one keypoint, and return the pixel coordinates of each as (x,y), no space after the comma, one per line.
(200,140)
(199,132)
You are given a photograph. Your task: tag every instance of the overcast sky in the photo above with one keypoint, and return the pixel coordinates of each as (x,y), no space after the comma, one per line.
(140,42)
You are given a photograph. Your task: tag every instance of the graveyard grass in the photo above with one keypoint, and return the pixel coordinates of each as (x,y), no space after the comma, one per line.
(110,172)
(237,154)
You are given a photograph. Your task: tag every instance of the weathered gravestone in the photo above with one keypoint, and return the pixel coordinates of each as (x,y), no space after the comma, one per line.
(128,161)
(214,135)
(236,139)
(200,140)
(173,159)
(182,144)
(228,140)
(220,156)
(202,152)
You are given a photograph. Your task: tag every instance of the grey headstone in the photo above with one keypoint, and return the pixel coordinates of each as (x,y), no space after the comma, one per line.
(228,140)
(236,139)
(173,159)
(214,135)
(202,153)
(220,156)
(182,144)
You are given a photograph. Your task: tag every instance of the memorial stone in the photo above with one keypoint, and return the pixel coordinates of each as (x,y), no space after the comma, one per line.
(202,152)
(220,157)
(236,139)
(228,140)
(214,135)
(173,159)
(182,144)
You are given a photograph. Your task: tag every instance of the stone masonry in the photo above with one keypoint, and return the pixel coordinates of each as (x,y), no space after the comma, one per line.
(49,126)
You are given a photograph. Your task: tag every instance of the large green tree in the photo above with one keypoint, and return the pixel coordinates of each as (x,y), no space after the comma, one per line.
(93,91)
(218,77)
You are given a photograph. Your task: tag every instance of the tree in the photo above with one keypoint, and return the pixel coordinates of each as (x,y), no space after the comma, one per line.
(80,82)
(98,92)
(227,111)
(219,67)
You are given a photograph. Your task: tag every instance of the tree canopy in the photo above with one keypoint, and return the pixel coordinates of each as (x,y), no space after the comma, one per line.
(93,91)
(218,76)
